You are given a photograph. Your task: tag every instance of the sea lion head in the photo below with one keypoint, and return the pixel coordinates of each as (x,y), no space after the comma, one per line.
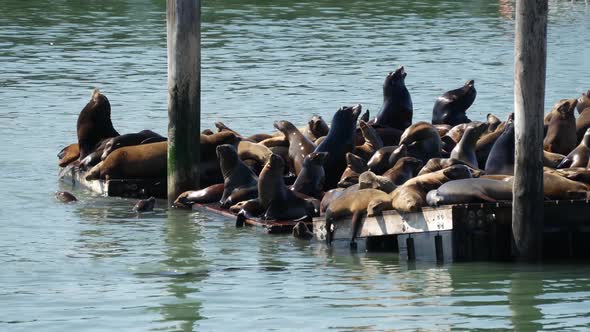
(394,80)
(318,126)
(470,84)
(275,162)
(565,107)
(493,122)
(412,163)
(64,196)
(356,163)
(284,126)
(346,117)
(227,156)
(457,172)
(97,99)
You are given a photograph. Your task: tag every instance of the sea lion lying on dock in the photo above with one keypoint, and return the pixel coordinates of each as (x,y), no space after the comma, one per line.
(470,191)
(211,194)
(130,139)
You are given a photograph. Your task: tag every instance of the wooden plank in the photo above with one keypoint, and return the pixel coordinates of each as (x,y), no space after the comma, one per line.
(391,223)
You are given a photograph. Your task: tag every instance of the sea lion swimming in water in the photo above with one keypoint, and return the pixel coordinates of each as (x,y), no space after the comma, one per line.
(94,123)
(450,108)
(397,109)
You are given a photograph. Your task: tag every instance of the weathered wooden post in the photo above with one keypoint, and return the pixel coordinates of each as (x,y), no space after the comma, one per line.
(184,95)
(530,55)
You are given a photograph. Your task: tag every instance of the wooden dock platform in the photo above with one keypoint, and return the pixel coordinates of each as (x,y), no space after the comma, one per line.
(466,232)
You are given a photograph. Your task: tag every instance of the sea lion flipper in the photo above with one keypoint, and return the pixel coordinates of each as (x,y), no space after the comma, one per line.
(355,227)
(565,163)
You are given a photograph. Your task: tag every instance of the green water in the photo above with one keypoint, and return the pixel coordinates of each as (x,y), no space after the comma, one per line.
(96,266)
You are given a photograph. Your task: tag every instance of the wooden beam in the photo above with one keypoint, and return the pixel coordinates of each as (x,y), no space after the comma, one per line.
(530,55)
(184,95)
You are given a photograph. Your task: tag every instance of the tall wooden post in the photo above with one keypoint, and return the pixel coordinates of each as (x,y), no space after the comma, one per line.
(530,55)
(184,95)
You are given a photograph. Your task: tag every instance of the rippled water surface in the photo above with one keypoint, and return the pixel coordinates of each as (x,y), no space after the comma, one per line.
(95,266)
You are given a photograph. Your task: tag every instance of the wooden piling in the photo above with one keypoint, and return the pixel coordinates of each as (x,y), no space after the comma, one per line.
(184,95)
(530,55)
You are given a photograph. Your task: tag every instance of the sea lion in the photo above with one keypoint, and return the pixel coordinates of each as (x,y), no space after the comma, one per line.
(369,180)
(65,197)
(583,102)
(379,162)
(582,123)
(465,150)
(236,175)
(68,154)
(316,128)
(486,142)
(273,141)
(561,132)
(301,231)
(207,132)
(258,137)
(145,205)
(403,170)
(493,122)
(450,108)
(422,141)
(501,157)
(465,191)
(411,196)
(331,195)
(132,162)
(207,195)
(274,199)
(310,180)
(552,160)
(442,129)
(94,123)
(254,151)
(580,155)
(338,142)
(397,109)
(436,164)
(355,204)
(355,165)
(559,187)
(400,152)
(299,145)
(578,174)
(372,142)
(127,140)
(94,157)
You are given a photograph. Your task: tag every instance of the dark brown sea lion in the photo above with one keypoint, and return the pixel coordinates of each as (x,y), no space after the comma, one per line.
(580,155)
(299,145)
(68,154)
(145,205)
(94,123)
(236,175)
(552,160)
(127,140)
(400,152)
(65,197)
(583,102)
(274,199)
(411,196)
(316,128)
(310,180)
(211,194)
(486,142)
(355,204)
(94,157)
(442,129)
(450,108)
(369,180)
(582,123)
(403,170)
(501,157)
(372,142)
(422,141)
(561,132)
(355,165)
(465,149)
(207,132)
(465,191)
(379,162)
(340,140)
(397,109)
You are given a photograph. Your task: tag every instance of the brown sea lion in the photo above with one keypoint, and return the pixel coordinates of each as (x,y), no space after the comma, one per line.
(397,109)
(316,128)
(578,174)
(94,123)
(422,141)
(65,197)
(501,157)
(355,204)
(486,142)
(561,132)
(559,187)
(211,194)
(340,140)
(120,141)
(403,170)
(450,108)
(411,196)
(310,180)
(372,142)
(68,154)
(580,155)
(582,123)
(299,145)
(279,140)
(94,157)
(145,205)
(254,151)
(583,102)
(551,159)
(493,122)
(379,162)
(400,152)
(132,162)
(207,132)
(355,165)
(258,137)
(236,175)
(442,129)
(465,191)
(369,180)
(331,195)
(465,149)
(436,164)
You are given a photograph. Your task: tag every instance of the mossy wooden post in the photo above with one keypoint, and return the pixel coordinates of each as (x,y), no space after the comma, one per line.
(530,55)
(184,95)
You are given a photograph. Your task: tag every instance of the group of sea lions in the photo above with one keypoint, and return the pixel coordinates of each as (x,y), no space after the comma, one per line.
(354,166)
